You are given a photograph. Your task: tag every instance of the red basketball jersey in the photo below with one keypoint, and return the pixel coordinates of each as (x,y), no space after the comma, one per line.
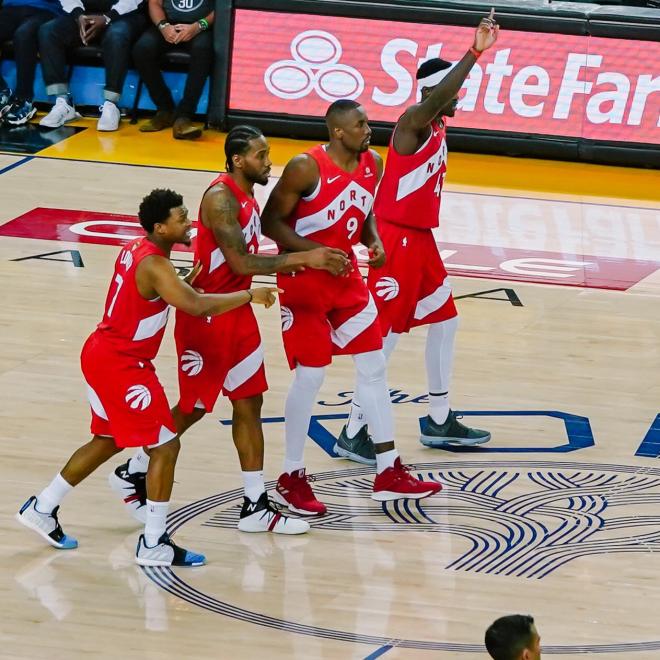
(215,275)
(409,193)
(335,212)
(132,324)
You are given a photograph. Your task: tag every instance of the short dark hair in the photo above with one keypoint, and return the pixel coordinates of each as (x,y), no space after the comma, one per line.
(432,66)
(338,108)
(508,636)
(237,142)
(157,206)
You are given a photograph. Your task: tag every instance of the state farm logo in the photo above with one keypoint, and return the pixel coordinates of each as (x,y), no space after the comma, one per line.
(314,67)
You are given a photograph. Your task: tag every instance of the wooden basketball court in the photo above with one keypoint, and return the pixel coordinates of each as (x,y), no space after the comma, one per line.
(557,274)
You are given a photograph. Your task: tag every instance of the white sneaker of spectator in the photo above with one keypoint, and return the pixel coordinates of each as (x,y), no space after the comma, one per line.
(110,116)
(60,114)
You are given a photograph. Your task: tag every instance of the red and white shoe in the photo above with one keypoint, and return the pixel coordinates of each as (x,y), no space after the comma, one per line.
(396,483)
(294,491)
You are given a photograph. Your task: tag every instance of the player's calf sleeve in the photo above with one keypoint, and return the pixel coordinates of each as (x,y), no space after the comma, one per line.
(439,356)
(373,394)
(298,411)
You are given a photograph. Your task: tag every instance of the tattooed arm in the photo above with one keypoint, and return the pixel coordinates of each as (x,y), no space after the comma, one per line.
(220,211)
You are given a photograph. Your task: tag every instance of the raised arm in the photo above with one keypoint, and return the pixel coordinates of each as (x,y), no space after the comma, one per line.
(220,211)
(419,116)
(300,178)
(156,276)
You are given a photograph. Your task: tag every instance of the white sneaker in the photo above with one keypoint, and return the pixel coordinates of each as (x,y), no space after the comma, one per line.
(60,114)
(45,524)
(110,116)
(165,553)
(262,516)
(133,491)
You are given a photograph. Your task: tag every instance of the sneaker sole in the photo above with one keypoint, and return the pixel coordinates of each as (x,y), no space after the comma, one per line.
(281,501)
(282,532)
(434,441)
(157,562)
(344,453)
(389,496)
(118,486)
(67,121)
(44,536)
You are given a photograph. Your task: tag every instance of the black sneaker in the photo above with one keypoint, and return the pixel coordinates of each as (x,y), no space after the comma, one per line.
(263,516)
(166,553)
(452,432)
(20,113)
(133,490)
(359,448)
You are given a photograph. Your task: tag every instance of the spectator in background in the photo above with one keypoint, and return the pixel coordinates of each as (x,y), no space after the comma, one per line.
(176,24)
(513,637)
(20,21)
(115,25)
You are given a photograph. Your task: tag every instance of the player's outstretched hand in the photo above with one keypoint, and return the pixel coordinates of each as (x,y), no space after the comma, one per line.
(376,255)
(333,260)
(265,295)
(486,34)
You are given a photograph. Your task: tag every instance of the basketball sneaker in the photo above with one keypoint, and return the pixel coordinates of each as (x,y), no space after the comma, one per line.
(21,112)
(5,102)
(133,490)
(165,553)
(451,432)
(293,491)
(262,516)
(110,117)
(359,448)
(45,524)
(396,483)
(60,114)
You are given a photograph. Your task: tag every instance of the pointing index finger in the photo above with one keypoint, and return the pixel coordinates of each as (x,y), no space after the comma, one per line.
(492,13)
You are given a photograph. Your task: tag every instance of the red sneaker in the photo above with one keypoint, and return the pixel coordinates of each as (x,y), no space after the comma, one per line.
(396,483)
(294,491)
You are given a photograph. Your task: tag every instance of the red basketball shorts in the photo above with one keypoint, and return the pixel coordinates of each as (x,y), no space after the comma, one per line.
(127,400)
(219,354)
(324,315)
(412,288)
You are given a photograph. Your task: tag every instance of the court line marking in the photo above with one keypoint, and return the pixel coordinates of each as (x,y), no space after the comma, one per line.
(18,163)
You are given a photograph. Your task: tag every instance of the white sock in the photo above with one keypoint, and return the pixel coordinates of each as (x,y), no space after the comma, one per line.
(154,528)
(253,484)
(386,460)
(53,494)
(139,462)
(439,357)
(297,413)
(356,418)
(374,395)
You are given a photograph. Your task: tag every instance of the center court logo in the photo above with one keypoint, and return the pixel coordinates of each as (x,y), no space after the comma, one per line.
(315,67)
(503,520)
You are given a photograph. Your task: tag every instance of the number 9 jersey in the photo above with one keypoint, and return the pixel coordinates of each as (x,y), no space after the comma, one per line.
(334,213)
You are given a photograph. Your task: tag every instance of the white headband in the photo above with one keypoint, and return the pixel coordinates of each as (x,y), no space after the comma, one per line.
(434,78)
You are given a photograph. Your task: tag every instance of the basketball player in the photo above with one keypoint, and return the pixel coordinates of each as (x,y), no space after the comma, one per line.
(324,198)
(129,408)
(225,353)
(412,289)
(513,637)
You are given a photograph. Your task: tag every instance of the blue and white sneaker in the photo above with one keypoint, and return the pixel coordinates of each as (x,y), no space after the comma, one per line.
(166,553)
(5,102)
(45,524)
(20,113)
